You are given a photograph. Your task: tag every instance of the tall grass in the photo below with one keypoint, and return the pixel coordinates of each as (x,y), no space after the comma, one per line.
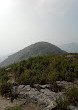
(14,108)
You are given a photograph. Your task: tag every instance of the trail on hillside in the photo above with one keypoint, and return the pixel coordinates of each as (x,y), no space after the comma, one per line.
(6,102)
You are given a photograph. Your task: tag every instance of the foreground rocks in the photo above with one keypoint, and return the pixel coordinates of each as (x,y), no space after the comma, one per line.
(66,84)
(73,107)
(6,102)
(44,96)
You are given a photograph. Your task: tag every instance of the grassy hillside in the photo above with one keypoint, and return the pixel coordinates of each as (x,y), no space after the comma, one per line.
(47,69)
(43,69)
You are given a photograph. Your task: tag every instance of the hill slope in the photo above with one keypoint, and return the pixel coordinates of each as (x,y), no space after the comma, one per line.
(37,49)
(3,58)
(42,80)
(71,47)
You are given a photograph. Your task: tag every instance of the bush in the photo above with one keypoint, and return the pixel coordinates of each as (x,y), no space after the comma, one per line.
(69,76)
(5,89)
(54,77)
(44,69)
(13,108)
(3,76)
(72,95)
(55,88)
(28,77)
(62,103)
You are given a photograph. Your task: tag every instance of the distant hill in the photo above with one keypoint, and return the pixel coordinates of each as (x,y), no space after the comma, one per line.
(70,47)
(37,49)
(2,58)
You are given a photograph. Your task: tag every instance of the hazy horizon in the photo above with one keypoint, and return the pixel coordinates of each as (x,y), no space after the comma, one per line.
(24,22)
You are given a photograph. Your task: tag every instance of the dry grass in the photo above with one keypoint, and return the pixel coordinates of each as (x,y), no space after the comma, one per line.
(30,105)
(76,81)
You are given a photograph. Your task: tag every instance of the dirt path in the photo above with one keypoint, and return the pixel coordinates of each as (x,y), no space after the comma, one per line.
(4,102)
(28,105)
(11,78)
(32,106)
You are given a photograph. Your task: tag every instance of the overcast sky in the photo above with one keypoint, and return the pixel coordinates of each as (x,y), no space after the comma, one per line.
(24,22)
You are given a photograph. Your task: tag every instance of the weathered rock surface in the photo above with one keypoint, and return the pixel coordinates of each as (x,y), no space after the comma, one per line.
(6,102)
(44,96)
(73,107)
(66,84)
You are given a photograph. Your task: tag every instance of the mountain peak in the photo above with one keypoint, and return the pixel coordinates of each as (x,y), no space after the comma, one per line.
(37,49)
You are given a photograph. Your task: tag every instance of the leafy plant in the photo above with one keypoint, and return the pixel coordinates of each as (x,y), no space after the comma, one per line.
(72,95)
(62,103)
(5,89)
(14,108)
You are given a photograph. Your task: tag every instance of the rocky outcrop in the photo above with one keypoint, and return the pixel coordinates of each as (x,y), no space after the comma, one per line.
(44,96)
(66,84)
(73,107)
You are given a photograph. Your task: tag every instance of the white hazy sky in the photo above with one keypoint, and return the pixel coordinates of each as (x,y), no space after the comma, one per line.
(23,22)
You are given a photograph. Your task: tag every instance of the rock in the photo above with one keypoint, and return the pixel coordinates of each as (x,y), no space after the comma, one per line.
(15,84)
(15,90)
(51,95)
(8,69)
(8,98)
(51,106)
(65,84)
(36,85)
(73,107)
(45,86)
(43,97)
(26,88)
(21,87)
(70,56)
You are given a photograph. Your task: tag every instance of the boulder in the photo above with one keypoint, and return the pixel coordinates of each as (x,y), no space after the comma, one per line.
(65,84)
(73,107)
(43,97)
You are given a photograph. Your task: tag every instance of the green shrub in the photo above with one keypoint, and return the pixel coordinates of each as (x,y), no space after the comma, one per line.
(54,77)
(55,88)
(44,69)
(72,94)
(13,108)
(69,76)
(28,77)
(3,76)
(5,89)
(38,87)
(62,103)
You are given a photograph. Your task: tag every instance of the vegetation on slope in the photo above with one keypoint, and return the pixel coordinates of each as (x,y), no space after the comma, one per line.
(44,70)
(13,108)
